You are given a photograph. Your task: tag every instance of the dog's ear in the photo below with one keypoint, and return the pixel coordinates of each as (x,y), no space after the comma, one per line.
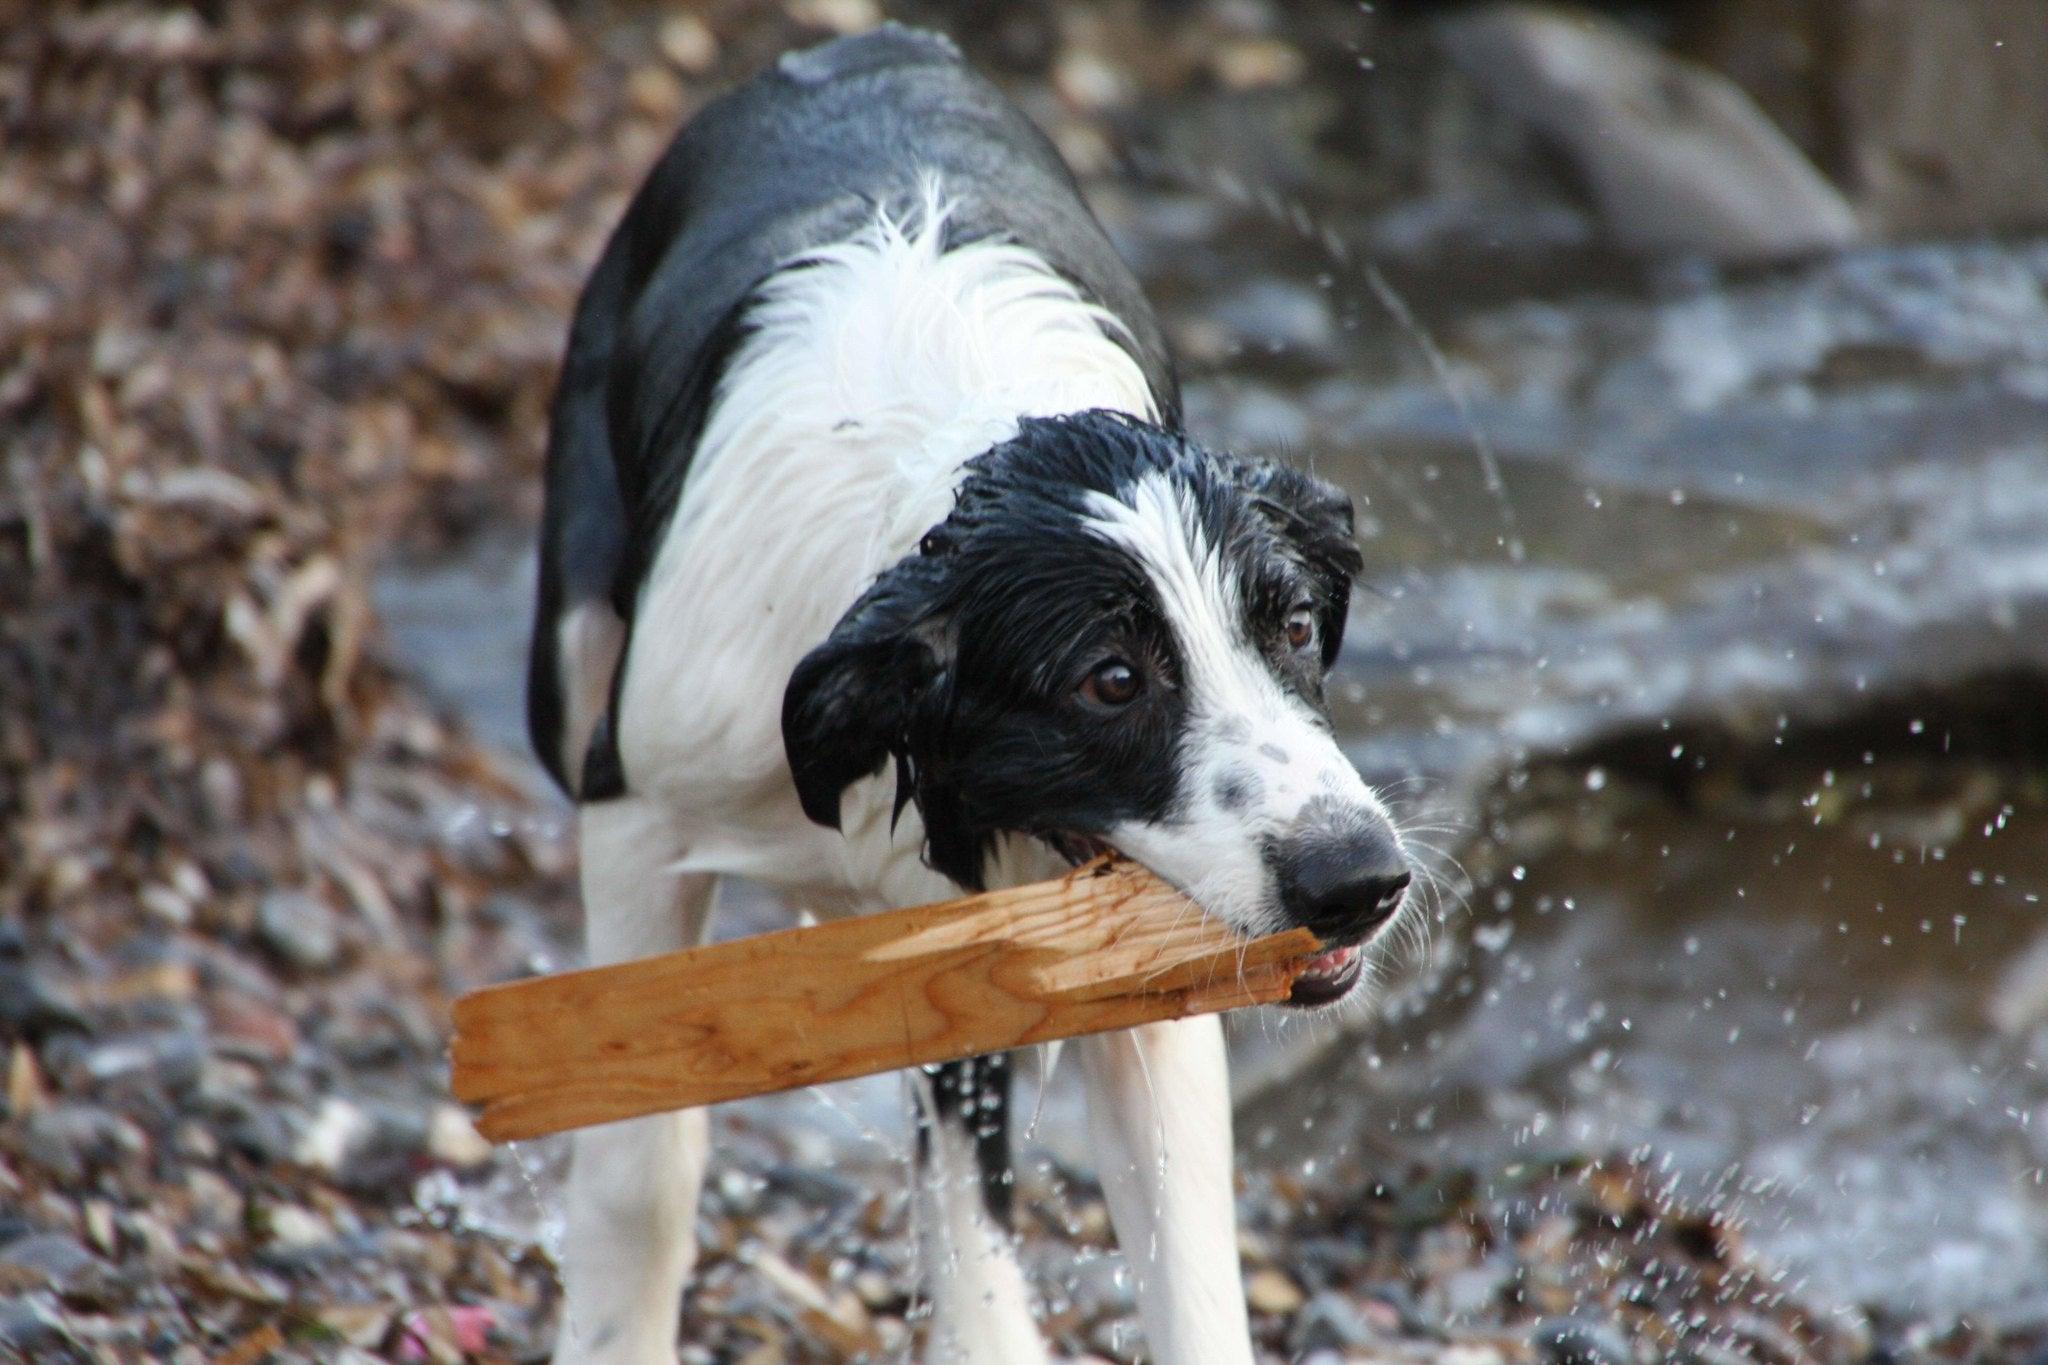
(1316,516)
(849,703)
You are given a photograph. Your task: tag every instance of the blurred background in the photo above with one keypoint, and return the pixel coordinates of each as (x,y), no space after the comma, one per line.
(1689,363)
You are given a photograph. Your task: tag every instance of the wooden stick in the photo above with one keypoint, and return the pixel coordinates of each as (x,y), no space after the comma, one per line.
(1106,947)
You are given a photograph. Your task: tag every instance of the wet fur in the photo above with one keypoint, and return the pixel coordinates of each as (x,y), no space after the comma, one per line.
(866,452)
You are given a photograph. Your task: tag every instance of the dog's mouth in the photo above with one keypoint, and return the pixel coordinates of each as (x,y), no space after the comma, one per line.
(1328,978)
(1077,848)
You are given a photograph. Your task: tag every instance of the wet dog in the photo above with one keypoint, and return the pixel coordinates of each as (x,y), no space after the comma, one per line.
(876,566)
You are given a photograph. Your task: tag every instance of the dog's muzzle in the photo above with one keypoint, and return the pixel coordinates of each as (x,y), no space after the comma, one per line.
(1342,877)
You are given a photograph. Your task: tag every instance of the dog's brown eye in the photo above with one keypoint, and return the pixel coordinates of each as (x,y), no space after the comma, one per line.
(1114,683)
(1301,628)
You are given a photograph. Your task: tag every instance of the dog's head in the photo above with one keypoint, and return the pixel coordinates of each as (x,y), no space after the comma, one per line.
(1118,638)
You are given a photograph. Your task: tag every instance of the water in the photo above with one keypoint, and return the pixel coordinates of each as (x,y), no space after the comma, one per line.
(1768,526)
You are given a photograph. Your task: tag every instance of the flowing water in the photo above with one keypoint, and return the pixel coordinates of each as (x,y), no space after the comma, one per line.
(1738,770)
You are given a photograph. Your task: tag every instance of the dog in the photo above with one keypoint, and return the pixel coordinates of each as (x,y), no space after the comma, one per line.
(875,566)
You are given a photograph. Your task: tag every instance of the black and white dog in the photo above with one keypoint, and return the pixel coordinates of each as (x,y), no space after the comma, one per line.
(876,566)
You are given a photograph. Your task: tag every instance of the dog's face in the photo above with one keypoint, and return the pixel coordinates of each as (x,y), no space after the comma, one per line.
(1118,638)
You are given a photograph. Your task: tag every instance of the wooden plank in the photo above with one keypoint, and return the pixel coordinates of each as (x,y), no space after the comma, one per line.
(1106,947)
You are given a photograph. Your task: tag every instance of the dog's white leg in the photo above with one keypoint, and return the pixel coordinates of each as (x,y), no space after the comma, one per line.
(1159,1114)
(981,1309)
(633,1186)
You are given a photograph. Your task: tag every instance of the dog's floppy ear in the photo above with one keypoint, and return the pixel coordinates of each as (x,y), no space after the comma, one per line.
(1316,516)
(849,703)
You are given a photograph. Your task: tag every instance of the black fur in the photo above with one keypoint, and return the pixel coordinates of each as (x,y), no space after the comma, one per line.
(974,1095)
(960,664)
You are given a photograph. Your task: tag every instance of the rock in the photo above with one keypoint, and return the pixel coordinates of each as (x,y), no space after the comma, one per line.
(293,1228)
(30,1326)
(101,1228)
(299,928)
(1679,160)
(1271,1292)
(453,1139)
(30,1007)
(68,1140)
(1577,1341)
(1280,318)
(1470,1353)
(1329,1321)
(49,1259)
(332,1136)
(1471,1292)
(2020,999)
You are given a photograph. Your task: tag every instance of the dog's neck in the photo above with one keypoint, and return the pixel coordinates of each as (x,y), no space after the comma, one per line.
(897,358)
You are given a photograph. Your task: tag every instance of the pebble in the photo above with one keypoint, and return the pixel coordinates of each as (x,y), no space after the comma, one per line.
(299,928)
(336,1129)
(1329,1321)
(31,1008)
(55,1260)
(1271,1292)
(453,1139)
(1577,1341)
(293,1228)
(67,1140)
(1469,1353)
(30,1325)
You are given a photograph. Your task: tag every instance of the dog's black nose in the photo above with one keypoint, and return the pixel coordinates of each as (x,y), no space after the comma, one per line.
(1341,880)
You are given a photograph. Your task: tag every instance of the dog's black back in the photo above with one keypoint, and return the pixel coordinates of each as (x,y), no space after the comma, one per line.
(798,157)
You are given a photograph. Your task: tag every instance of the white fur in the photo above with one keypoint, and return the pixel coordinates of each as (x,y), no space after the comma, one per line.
(1159,1114)
(981,1309)
(873,374)
(633,1186)
(1213,854)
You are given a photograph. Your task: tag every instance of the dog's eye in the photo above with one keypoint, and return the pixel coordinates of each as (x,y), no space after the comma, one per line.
(1301,627)
(1113,683)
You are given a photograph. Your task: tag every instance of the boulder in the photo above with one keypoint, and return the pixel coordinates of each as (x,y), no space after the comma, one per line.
(1677,159)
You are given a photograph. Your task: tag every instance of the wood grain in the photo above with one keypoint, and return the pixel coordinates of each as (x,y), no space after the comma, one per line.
(1106,947)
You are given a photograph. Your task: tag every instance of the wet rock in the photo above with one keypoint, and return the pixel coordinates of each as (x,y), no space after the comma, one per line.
(68,1140)
(1280,318)
(49,1260)
(293,1228)
(1329,1321)
(1679,160)
(166,1057)
(2020,999)
(1578,1341)
(299,928)
(30,1325)
(335,1132)
(30,1007)
(1470,1292)
(453,1139)
(1273,1293)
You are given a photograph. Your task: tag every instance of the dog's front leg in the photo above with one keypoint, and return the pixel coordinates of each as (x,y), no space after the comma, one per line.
(633,1186)
(981,1308)
(1159,1113)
